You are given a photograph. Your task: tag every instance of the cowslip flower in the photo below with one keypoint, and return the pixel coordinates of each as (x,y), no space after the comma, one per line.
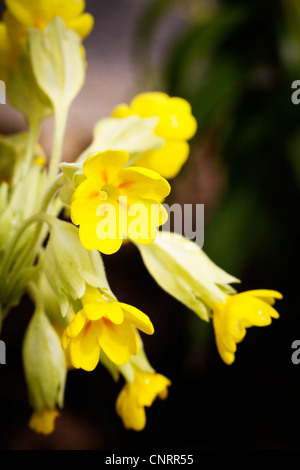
(238,312)
(43,422)
(115,202)
(176,125)
(23,14)
(141,393)
(107,326)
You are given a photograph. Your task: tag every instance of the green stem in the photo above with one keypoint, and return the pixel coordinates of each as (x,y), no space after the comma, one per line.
(23,166)
(27,257)
(11,272)
(59,133)
(49,195)
(51,192)
(10,252)
(35,295)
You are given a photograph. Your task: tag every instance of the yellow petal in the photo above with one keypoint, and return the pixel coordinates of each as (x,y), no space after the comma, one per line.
(241,311)
(110,310)
(133,416)
(137,318)
(21,10)
(251,310)
(133,398)
(85,201)
(150,386)
(144,216)
(176,121)
(76,325)
(121,111)
(149,103)
(43,422)
(175,118)
(94,311)
(267,295)
(84,349)
(226,337)
(167,160)
(104,166)
(144,183)
(66,9)
(83,25)
(88,234)
(109,246)
(114,312)
(39,13)
(119,342)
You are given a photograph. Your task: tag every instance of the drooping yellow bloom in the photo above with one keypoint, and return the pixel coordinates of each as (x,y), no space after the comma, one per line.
(23,14)
(114,202)
(107,326)
(176,125)
(238,312)
(141,393)
(43,422)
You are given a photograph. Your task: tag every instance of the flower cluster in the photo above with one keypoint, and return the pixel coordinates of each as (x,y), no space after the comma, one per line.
(113,192)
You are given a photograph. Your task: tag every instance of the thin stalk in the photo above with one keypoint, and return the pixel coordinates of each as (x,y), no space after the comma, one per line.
(59,133)
(10,252)
(27,257)
(16,238)
(36,297)
(29,253)
(23,166)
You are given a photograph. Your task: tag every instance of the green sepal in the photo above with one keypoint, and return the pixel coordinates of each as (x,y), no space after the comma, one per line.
(44,363)
(25,94)
(68,266)
(183,270)
(58,63)
(132,134)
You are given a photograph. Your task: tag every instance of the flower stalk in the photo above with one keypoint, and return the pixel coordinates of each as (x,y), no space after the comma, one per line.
(56,223)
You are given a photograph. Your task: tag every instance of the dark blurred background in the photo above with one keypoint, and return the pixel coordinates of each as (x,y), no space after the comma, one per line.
(235,62)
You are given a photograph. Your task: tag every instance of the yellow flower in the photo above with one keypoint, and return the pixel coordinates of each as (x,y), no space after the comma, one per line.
(43,422)
(135,396)
(176,125)
(23,14)
(114,202)
(238,312)
(107,326)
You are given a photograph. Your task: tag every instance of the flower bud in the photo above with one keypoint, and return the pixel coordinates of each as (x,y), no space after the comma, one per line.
(45,371)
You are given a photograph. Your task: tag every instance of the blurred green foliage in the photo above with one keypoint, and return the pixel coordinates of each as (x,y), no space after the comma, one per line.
(235,62)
